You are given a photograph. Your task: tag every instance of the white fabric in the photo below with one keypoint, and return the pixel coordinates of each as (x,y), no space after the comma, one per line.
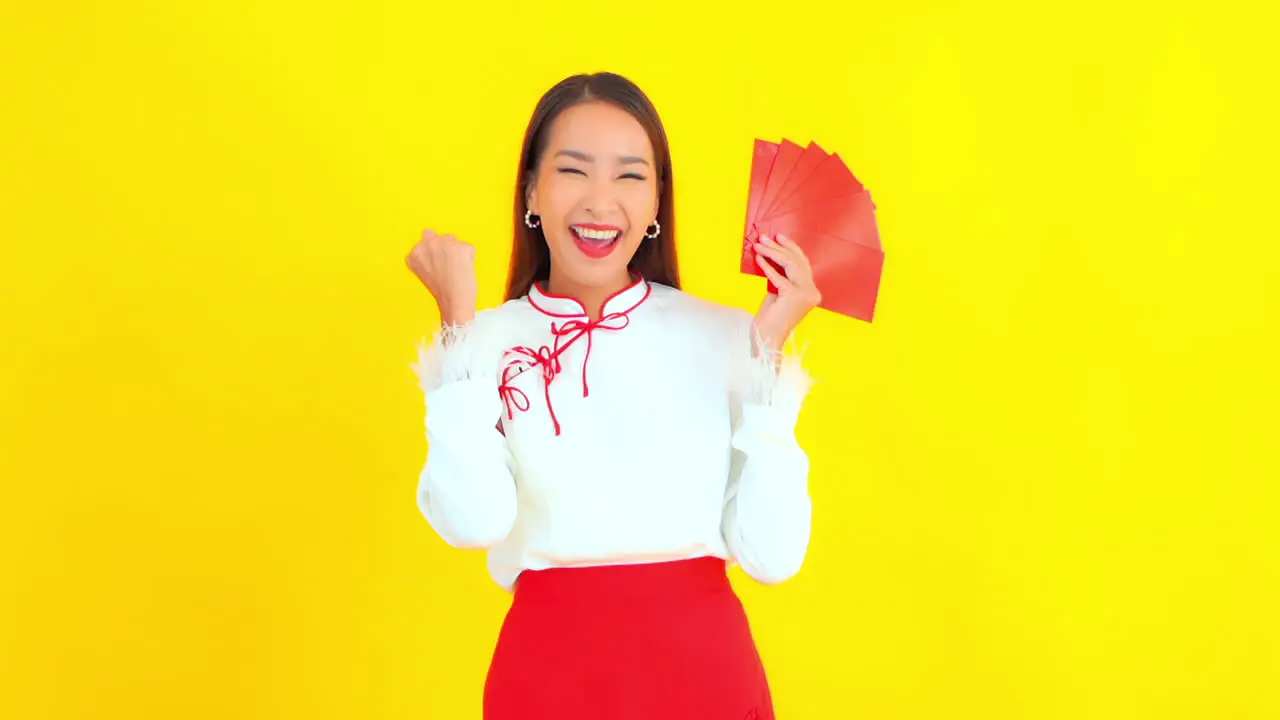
(683,446)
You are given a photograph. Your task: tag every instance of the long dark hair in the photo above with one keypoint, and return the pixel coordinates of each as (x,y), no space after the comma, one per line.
(655,259)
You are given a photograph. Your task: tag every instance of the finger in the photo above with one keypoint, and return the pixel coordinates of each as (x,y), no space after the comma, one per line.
(791,245)
(769,240)
(799,268)
(777,254)
(778,279)
(774,248)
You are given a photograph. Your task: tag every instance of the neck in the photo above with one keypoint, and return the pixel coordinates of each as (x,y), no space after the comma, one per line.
(592,297)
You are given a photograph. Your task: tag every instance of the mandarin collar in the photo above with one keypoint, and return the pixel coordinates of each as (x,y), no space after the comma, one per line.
(620,303)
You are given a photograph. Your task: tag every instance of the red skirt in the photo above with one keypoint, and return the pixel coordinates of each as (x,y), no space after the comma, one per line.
(665,640)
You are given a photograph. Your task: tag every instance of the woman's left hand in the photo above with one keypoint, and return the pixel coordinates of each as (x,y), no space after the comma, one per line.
(797,294)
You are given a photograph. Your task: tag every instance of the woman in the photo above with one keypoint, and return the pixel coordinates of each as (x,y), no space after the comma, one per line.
(610,440)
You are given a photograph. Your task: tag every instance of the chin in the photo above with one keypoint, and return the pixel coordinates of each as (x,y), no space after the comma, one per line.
(589,271)
(596,273)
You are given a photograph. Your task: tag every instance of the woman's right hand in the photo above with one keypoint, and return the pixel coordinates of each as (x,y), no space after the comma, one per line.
(446,265)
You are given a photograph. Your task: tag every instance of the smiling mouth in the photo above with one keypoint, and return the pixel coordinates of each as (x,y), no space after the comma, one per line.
(595,241)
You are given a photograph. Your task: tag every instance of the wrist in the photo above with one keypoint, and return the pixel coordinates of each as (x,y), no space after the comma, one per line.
(768,337)
(457,314)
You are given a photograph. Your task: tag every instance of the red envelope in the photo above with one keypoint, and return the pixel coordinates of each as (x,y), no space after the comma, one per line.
(788,154)
(844,216)
(812,157)
(814,200)
(832,177)
(761,165)
(846,273)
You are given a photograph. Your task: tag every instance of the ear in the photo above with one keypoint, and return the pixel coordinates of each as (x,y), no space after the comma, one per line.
(531,194)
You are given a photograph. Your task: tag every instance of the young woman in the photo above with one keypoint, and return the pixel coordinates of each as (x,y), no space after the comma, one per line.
(610,440)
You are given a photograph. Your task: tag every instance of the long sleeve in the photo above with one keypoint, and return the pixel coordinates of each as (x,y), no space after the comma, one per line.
(768,512)
(466,488)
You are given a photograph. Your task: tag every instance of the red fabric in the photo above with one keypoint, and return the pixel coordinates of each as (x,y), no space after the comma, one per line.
(627,642)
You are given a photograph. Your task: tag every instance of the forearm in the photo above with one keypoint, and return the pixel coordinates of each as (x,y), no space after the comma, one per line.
(768,511)
(466,488)
(459,314)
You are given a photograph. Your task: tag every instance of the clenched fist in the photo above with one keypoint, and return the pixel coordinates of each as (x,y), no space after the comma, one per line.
(446,265)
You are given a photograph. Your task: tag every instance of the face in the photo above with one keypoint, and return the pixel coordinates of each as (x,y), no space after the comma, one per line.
(596,191)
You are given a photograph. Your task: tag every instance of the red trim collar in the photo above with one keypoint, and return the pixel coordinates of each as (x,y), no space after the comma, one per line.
(563,306)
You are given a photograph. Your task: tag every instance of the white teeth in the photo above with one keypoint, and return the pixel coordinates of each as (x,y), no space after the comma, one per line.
(596,234)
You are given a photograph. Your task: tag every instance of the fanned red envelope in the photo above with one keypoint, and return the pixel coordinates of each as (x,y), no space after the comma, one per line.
(811,197)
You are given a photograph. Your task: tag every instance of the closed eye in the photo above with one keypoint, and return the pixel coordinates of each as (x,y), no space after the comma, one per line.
(570,171)
(632,176)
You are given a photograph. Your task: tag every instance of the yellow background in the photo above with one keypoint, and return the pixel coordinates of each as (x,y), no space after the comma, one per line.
(1041,482)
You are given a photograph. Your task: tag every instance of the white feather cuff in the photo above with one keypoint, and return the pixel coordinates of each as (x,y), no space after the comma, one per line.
(452,355)
(772,377)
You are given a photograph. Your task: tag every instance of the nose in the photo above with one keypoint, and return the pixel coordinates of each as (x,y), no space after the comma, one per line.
(601,199)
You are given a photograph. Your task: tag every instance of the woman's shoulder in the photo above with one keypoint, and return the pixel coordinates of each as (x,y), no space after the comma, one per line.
(505,312)
(492,328)
(686,306)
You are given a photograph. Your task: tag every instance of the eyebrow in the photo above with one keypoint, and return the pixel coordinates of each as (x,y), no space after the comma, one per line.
(584,157)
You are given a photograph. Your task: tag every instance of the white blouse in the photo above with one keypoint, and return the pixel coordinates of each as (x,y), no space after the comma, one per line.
(652,434)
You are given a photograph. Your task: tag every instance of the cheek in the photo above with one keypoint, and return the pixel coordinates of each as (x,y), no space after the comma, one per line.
(556,199)
(642,204)
(557,196)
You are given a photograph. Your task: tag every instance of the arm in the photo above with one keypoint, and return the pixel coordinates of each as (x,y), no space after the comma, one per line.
(466,488)
(768,512)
